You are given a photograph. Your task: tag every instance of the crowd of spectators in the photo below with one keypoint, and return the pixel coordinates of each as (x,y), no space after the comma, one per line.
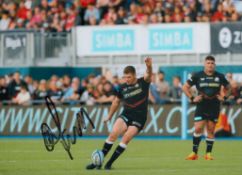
(93,90)
(62,15)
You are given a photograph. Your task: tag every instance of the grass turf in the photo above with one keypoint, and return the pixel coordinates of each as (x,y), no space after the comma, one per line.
(142,157)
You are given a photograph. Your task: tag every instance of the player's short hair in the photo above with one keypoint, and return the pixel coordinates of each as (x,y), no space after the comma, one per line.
(210,58)
(129,70)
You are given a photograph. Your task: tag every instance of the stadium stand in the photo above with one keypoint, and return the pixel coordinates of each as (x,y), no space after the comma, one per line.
(16,89)
(62,15)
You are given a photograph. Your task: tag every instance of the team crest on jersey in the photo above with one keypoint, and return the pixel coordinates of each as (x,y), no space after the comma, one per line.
(137,85)
(202,79)
(216,79)
(125,89)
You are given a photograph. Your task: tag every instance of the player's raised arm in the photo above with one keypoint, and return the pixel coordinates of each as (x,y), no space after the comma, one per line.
(113,109)
(148,73)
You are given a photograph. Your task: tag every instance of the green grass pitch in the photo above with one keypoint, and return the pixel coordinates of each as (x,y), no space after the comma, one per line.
(142,157)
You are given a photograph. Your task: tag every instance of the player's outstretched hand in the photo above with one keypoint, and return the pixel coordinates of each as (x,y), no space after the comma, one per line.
(148,62)
(198,99)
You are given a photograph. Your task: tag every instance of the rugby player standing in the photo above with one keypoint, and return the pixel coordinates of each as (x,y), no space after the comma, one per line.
(211,86)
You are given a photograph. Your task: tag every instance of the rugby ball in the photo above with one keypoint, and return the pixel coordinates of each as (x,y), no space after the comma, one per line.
(97,157)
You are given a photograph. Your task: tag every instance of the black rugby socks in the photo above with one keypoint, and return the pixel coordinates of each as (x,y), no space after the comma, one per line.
(106,147)
(118,151)
(209,145)
(196,142)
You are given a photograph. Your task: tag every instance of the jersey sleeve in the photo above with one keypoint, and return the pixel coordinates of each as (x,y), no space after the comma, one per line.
(192,80)
(117,92)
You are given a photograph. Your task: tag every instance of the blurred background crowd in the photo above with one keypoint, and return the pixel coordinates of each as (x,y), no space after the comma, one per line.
(94,89)
(62,15)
